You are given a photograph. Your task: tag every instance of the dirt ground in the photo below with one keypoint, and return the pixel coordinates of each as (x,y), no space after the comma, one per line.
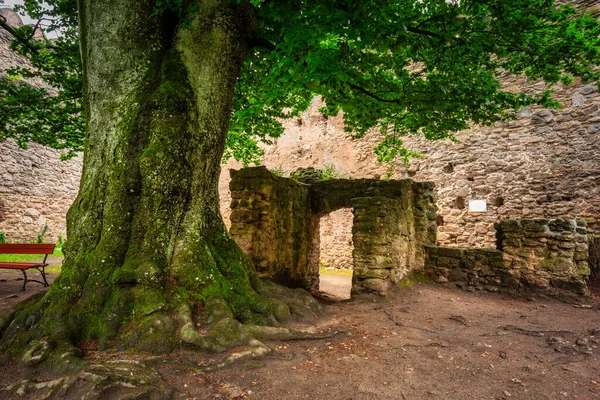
(424,342)
(11,283)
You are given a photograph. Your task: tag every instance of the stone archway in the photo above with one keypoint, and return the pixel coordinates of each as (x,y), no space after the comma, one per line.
(275,221)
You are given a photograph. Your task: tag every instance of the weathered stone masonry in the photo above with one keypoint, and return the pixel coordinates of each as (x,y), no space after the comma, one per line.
(36,188)
(275,221)
(532,255)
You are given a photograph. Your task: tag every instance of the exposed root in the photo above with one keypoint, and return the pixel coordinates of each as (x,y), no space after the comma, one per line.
(6,318)
(226,332)
(130,379)
(398,323)
(269,333)
(62,356)
(257,350)
(527,332)
(302,305)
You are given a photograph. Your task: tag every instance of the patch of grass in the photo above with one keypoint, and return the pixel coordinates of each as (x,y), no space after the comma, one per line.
(54,269)
(323,270)
(28,257)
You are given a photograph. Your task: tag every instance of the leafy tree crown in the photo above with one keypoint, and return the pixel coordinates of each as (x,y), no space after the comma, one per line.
(430,67)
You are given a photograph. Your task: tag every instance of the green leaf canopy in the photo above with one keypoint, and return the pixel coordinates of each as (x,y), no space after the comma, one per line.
(429,67)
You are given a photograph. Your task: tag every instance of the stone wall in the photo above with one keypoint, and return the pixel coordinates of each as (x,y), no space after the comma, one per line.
(36,188)
(382,254)
(275,221)
(594,256)
(545,164)
(336,239)
(533,255)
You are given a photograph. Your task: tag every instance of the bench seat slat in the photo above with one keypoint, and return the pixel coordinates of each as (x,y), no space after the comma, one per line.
(11,265)
(11,248)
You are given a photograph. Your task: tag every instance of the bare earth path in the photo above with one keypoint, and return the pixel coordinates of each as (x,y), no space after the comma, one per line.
(426,342)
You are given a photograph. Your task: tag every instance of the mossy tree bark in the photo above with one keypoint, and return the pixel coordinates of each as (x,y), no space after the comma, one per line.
(146,241)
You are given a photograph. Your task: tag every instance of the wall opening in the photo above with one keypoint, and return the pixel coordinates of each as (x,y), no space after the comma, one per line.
(335,262)
(459,203)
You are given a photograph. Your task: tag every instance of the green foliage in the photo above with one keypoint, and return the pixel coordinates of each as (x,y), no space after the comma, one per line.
(330,171)
(278,171)
(40,236)
(426,67)
(3,238)
(59,244)
(42,103)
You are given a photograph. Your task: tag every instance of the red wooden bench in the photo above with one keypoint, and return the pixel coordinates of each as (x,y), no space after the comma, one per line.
(24,266)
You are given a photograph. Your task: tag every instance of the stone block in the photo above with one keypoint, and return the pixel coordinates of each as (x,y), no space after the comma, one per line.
(557,264)
(534,225)
(561,225)
(368,273)
(457,275)
(508,225)
(380,286)
(512,242)
(566,245)
(524,253)
(450,252)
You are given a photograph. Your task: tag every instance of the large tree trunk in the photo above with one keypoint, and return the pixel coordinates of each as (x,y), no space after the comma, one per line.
(146,240)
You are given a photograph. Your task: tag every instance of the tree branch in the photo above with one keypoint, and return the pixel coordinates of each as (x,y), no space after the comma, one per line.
(260,42)
(372,95)
(423,32)
(17,35)
(35,28)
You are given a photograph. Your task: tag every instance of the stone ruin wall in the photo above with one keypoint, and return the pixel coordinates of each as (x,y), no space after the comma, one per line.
(275,221)
(544,164)
(36,187)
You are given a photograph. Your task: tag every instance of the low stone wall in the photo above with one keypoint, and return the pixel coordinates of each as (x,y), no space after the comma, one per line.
(543,255)
(480,268)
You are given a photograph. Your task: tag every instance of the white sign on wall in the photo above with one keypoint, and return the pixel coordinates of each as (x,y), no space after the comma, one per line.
(477,206)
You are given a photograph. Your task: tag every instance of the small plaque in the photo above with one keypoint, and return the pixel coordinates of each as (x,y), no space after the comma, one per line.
(477,206)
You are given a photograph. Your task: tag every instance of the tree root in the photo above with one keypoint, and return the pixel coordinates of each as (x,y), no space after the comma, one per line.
(402,324)
(227,332)
(257,350)
(527,332)
(131,379)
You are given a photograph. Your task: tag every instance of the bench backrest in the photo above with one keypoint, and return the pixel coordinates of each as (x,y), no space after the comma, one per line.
(26,248)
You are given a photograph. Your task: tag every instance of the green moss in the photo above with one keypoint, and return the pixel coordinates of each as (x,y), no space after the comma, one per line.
(413,278)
